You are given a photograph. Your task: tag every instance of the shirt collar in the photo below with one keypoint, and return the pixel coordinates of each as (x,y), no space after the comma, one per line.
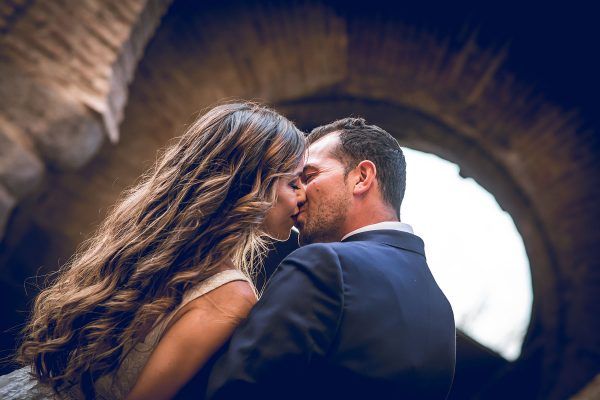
(392,225)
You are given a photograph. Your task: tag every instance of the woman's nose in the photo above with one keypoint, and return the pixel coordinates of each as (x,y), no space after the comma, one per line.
(301,195)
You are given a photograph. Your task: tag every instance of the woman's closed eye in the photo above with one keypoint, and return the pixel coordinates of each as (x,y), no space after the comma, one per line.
(295,184)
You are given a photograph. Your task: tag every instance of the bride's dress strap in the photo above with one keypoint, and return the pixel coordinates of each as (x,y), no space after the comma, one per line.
(213,282)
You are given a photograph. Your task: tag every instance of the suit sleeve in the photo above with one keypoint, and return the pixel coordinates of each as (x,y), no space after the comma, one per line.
(295,320)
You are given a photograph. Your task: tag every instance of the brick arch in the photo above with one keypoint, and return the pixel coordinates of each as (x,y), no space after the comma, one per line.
(64,75)
(317,63)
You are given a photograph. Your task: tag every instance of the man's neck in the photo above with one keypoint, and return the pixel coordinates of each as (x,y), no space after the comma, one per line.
(359,221)
(385,225)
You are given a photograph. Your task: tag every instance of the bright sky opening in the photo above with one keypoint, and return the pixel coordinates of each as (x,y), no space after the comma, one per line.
(473,249)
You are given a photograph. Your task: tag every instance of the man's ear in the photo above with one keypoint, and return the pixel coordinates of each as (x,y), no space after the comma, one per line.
(366,173)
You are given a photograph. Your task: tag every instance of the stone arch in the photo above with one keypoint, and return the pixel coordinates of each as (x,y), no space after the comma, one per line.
(317,62)
(64,78)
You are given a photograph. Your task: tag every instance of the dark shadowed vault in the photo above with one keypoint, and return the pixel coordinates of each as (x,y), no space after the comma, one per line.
(90,91)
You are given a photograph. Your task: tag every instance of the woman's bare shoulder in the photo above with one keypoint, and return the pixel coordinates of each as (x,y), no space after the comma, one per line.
(194,335)
(230,301)
(234,299)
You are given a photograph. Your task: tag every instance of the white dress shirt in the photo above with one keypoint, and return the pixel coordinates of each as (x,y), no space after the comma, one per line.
(393,225)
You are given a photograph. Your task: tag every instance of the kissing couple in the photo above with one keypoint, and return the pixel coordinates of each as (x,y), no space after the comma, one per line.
(160,302)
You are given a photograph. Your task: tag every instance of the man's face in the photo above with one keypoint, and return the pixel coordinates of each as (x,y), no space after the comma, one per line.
(323,214)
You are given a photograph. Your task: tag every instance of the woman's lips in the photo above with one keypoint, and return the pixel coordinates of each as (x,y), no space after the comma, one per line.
(297,215)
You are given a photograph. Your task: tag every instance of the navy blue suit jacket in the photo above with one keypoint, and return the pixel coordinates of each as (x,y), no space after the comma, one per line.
(362,318)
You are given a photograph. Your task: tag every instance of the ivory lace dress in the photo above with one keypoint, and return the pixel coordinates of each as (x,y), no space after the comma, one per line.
(20,384)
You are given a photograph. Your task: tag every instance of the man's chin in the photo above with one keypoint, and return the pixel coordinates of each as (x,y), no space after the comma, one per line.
(303,238)
(302,243)
(306,238)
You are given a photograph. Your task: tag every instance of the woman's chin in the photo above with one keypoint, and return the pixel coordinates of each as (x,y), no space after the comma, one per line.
(281,236)
(281,233)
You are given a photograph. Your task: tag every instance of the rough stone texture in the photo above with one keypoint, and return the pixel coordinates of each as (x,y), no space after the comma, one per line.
(20,169)
(89,48)
(60,128)
(10,10)
(317,63)
(65,68)
(7,203)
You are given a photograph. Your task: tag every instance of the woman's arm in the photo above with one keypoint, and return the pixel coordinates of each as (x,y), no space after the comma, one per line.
(201,327)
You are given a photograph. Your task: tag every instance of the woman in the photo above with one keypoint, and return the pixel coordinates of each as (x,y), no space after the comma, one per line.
(165,280)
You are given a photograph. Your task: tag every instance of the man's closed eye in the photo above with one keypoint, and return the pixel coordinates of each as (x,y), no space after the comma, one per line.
(308,177)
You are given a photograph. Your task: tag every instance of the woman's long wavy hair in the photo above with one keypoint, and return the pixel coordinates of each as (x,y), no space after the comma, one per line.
(203,202)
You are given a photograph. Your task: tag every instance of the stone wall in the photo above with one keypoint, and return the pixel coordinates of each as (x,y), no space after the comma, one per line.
(64,75)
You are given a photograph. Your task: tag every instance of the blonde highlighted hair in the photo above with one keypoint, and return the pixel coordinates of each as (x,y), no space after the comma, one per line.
(203,202)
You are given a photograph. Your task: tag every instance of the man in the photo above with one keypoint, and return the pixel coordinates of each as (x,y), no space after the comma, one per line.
(355,312)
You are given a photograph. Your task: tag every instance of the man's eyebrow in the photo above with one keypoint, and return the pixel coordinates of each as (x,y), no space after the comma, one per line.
(309,166)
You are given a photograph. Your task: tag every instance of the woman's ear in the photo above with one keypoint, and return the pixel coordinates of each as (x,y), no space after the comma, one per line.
(366,173)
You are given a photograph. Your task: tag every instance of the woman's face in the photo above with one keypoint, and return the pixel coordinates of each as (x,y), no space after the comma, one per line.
(280,218)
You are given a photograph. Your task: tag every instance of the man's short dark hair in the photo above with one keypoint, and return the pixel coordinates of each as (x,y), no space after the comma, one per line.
(358,142)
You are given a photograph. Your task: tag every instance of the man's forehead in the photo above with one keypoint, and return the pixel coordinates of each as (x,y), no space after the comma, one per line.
(321,150)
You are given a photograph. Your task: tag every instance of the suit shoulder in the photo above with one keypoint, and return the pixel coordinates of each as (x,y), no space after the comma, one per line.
(320,252)
(318,260)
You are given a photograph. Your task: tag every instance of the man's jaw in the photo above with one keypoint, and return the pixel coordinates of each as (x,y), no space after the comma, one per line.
(305,237)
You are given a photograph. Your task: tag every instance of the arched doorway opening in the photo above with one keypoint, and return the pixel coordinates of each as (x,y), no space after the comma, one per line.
(474,251)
